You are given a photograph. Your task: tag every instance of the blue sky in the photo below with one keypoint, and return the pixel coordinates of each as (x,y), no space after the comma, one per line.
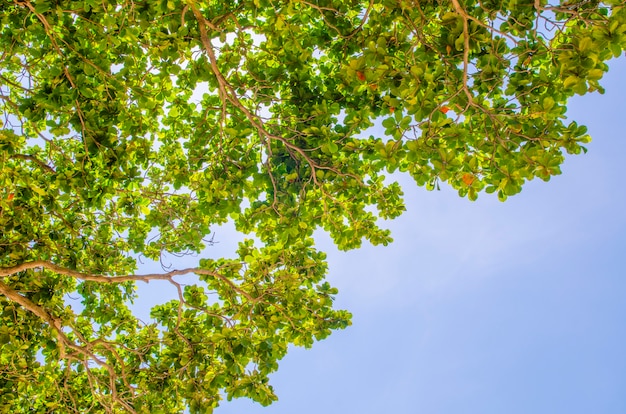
(480,307)
(484,307)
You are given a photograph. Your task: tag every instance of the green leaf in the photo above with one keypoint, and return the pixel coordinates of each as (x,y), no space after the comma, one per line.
(389,123)
(42,7)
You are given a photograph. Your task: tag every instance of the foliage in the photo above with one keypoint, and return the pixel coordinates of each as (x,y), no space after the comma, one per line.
(130,128)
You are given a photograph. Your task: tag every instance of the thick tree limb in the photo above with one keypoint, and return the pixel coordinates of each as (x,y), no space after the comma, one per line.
(31,306)
(63,341)
(8,271)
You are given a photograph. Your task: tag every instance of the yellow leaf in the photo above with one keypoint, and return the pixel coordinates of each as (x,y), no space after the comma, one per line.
(571,81)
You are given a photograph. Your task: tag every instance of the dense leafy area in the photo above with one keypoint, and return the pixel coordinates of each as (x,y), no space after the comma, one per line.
(130,128)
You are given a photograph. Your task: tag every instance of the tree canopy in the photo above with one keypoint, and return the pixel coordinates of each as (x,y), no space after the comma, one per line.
(130,129)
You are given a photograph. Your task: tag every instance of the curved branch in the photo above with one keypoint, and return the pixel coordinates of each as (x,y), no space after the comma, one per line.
(8,271)
(31,306)
(63,341)
(227,93)
(35,160)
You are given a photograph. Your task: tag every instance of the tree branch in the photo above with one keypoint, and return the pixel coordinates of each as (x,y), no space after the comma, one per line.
(227,92)
(466,49)
(8,271)
(63,341)
(35,160)
(31,306)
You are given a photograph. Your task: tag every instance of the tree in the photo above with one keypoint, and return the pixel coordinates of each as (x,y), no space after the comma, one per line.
(131,128)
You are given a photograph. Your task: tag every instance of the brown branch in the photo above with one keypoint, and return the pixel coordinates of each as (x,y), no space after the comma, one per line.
(31,306)
(227,92)
(63,341)
(35,160)
(321,11)
(56,325)
(86,352)
(49,32)
(8,271)
(466,48)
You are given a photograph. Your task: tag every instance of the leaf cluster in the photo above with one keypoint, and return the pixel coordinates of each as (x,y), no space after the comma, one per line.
(132,128)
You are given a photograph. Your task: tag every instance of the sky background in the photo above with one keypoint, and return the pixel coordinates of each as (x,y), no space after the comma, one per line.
(480,307)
